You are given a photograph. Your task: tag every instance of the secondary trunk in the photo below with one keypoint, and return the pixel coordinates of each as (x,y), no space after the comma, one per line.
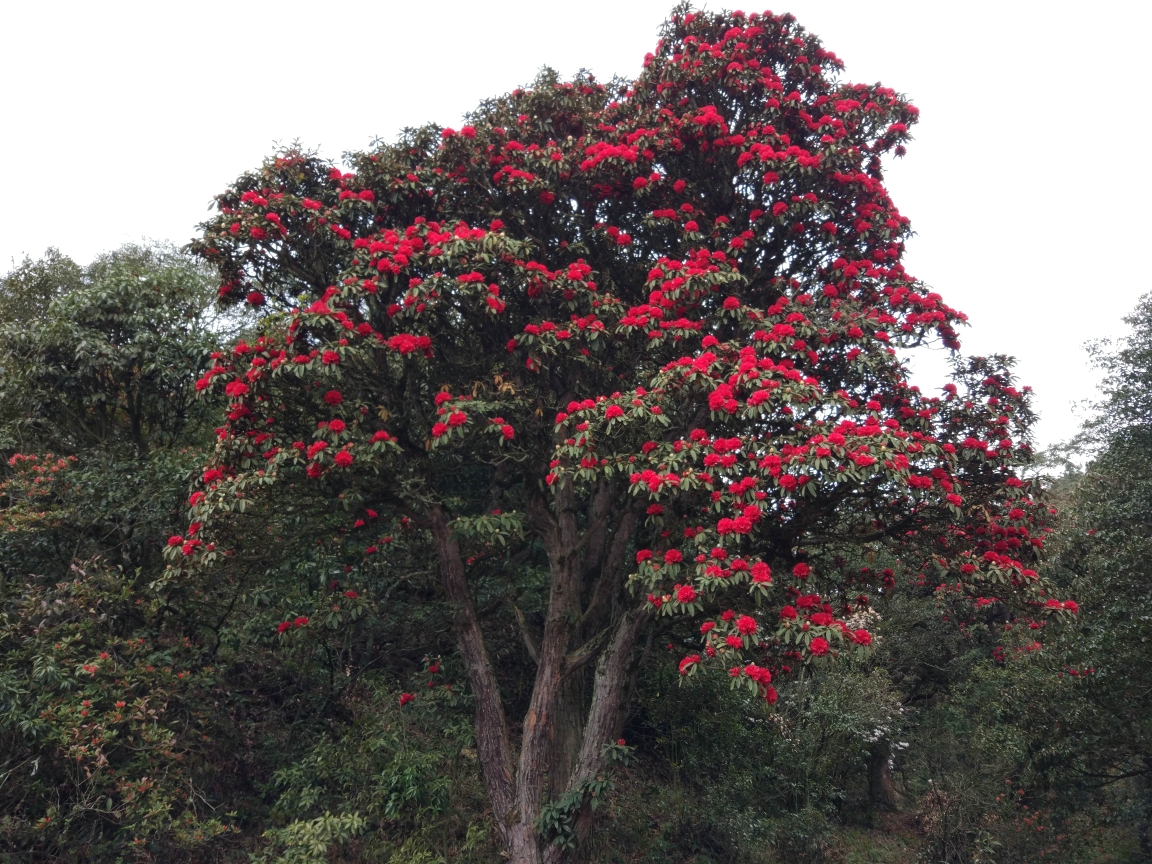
(567,733)
(492,743)
(605,717)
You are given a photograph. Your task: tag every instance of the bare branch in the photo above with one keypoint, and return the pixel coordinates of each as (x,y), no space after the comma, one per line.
(580,657)
(529,642)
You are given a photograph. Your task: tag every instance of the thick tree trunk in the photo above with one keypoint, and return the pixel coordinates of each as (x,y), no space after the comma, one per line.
(492,744)
(564,733)
(880,789)
(522,845)
(567,734)
(605,716)
(560,536)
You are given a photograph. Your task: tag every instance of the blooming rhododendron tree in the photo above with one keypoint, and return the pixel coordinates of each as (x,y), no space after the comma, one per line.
(647,338)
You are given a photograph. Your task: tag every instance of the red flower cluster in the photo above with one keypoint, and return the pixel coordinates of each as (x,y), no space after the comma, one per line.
(285,626)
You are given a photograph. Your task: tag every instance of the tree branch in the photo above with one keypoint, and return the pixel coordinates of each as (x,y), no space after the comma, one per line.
(492,742)
(529,642)
(579,658)
(606,584)
(609,695)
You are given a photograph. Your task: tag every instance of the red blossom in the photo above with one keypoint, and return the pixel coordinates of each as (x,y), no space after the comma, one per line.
(688,662)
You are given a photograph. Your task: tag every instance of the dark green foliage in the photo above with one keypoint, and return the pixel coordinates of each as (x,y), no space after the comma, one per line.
(28,291)
(110,737)
(787,778)
(110,361)
(139,723)
(102,376)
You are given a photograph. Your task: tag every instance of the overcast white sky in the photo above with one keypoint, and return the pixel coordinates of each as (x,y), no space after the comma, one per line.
(1027,183)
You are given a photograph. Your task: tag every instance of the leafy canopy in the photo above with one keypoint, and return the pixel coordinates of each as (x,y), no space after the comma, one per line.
(689,292)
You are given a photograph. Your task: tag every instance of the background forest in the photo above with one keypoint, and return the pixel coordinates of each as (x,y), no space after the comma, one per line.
(297,703)
(141,726)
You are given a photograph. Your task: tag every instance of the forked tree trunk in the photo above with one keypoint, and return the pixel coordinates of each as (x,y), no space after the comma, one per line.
(558,744)
(606,713)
